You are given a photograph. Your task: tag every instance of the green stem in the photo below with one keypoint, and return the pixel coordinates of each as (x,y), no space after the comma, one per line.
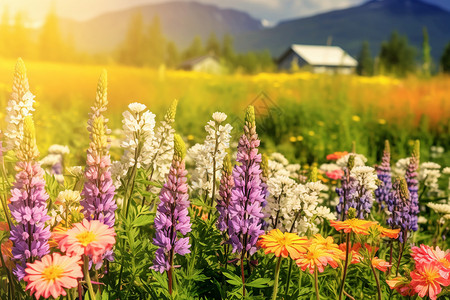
(376,279)
(277,275)
(347,250)
(288,280)
(87,278)
(316,283)
(242,273)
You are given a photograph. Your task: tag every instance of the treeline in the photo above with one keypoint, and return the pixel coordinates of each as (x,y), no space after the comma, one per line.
(47,44)
(397,57)
(146,45)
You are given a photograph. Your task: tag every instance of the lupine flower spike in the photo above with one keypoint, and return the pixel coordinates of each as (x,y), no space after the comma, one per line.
(28,204)
(247,196)
(384,175)
(413,186)
(172,216)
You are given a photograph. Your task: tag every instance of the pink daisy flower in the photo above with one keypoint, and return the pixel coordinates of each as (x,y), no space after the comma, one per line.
(91,238)
(51,275)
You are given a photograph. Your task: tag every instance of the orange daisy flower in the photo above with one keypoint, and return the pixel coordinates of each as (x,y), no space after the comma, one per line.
(336,155)
(401,285)
(354,251)
(283,244)
(327,243)
(53,274)
(380,264)
(426,280)
(91,238)
(357,226)
(385,232)
(316,257)
(426,254)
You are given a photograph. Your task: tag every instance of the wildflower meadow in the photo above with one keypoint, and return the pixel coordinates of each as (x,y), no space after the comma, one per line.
(268,198)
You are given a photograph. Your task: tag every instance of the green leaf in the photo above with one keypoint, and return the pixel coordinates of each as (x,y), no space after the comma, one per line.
(233,279)
(144,220)
(259,283)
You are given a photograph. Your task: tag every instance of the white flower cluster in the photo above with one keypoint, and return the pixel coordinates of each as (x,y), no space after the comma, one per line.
(429,173)
(138,129)
(162,147)
(366,177)
(209,156)
(360,160)
(281,188)
(400,166)
(304,209)
(66,207)
(440,208)
(53,163)
(280,166)
(18,108)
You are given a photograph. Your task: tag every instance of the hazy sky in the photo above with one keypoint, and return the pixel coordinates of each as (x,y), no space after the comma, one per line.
(271,10)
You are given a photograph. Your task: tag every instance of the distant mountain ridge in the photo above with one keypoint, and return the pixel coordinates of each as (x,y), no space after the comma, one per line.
(180,22)
(348,28)
(372,21)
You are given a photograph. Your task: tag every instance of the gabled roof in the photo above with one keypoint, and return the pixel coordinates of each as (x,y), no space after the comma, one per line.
(193,61)
(324,55)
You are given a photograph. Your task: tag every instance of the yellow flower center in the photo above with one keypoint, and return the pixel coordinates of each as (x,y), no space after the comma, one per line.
(445,262)
(86,238)
(52,272)
(430,277)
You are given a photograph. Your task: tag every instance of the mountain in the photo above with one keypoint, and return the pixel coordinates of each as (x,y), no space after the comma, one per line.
(372,21)
(180,22)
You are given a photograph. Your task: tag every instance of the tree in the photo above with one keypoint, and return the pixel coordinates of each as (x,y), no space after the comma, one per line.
(5,35)
(426,49)
(365,61)
(155,45)
(21,44)
(51,46)
(213,45)
(227,50)
(172,57)
(445,59)
(195,49)
(132,52)
(396,55)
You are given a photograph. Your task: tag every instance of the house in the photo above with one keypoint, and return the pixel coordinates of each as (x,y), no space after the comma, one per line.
(205,63)
(318,59)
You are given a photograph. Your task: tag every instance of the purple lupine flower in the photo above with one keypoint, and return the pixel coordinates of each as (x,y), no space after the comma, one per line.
(346,194)
(411,177)
(223,202)
(28,205)
(172,215)
(398,204)
(244,226)
(384,175)
(99,190)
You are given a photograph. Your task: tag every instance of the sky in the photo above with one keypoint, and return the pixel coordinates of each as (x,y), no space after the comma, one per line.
(272,11)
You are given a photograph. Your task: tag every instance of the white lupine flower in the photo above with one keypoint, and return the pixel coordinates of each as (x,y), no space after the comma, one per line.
(446,171)
(209,156)
(429,173)
(360,160)
(400,166)
(219,117)
(277,169)
(280,189)
(329,167)
(440,208)
(66,204)
(138,129)
(293,169)
(366,177)
(58,149)
(422,220)
(16,110)
(325,213)
(305,204)
(76,171)
(50,160)
(278,157)
(136,107)
(160,158)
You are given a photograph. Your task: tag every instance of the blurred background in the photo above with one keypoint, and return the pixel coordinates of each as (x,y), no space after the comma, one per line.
(321,74)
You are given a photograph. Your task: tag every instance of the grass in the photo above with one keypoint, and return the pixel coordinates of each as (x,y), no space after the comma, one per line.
(304,115)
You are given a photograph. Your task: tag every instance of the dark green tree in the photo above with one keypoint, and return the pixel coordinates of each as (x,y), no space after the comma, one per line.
(445,59)
(195,49)
(51,46)
(365,61)
(426,56)
(227,50)
(132,50)
(397,56)
(213,45)
(172,56)
(155,45)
